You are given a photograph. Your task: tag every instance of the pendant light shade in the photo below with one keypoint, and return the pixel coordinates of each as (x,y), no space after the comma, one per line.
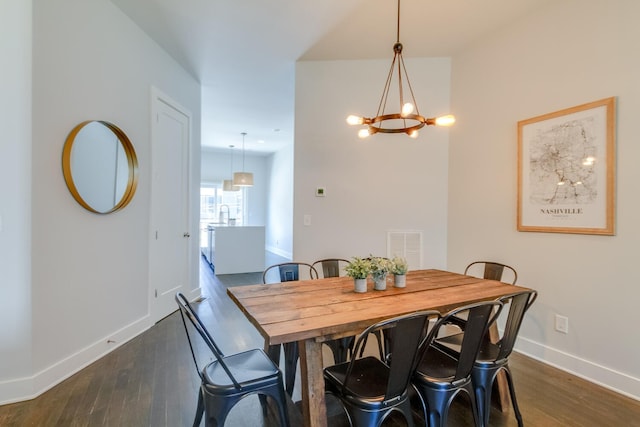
(243,179)
(227,185)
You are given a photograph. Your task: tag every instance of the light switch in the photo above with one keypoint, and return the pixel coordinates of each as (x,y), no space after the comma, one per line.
(307,220)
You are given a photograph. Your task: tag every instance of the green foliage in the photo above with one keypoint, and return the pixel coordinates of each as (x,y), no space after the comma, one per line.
(399,265)
(358,268)
(379,266)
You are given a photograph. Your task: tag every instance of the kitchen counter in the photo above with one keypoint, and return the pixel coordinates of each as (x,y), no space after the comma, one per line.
(237,249)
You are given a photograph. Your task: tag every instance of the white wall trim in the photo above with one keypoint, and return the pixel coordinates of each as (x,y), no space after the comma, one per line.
(278,251)
(27,388)
(611,379)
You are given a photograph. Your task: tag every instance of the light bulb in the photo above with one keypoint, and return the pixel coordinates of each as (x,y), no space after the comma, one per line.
(355,120)
(363,133)
(413,134)
(447,120)
(407,109)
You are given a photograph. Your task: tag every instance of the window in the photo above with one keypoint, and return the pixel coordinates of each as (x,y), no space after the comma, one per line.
(212,200)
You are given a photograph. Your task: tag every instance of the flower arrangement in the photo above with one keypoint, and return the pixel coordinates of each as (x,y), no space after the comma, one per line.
(358,268)
(379,266)
(399,265)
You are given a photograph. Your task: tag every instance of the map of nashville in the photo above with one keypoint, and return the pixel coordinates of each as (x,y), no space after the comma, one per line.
(562,164)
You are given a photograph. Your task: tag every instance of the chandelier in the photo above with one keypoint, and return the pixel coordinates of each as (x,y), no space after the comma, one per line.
(408,120)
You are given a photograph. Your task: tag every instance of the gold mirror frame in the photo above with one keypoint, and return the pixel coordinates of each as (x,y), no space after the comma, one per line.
(132,164)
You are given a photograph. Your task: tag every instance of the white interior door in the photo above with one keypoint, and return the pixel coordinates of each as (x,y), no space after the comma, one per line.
(169,247)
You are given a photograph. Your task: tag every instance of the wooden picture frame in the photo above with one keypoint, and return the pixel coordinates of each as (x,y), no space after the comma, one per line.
(566,170)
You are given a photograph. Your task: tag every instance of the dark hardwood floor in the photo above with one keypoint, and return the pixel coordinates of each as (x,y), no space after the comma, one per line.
(151,381)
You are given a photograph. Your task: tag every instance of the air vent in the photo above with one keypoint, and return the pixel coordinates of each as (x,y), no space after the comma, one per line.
(406,244)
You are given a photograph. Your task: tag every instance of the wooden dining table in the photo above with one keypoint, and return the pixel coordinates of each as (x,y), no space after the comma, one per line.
(313,311)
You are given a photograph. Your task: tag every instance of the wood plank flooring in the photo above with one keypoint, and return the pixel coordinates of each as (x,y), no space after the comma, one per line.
(151,381)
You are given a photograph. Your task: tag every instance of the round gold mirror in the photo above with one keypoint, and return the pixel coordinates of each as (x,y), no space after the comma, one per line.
(100,166)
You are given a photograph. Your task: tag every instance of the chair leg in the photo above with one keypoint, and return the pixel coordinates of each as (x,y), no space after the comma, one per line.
(437,403)
(405,408)
(482,385)
(512,392)
(199,409)
(477,420)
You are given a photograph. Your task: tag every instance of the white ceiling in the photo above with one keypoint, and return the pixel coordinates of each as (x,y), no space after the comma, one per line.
(243,52)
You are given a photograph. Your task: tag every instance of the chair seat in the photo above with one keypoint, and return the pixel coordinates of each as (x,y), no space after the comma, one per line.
(437,367)
(250,368)
(368,384)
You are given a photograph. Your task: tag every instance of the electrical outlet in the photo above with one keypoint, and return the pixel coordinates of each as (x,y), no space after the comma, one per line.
(562,324)
(307,220)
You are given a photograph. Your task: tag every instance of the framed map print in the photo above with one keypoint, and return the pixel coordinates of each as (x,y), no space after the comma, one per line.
(566,170)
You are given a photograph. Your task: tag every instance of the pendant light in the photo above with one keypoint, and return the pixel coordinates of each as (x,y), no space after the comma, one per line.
(243,179)
(408,120)
(227,184)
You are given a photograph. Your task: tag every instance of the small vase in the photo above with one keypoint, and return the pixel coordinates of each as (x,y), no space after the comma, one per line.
(360,285)
(399,280)
(380,282)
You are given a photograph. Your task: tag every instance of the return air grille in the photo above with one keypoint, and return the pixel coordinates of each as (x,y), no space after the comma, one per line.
(406,244)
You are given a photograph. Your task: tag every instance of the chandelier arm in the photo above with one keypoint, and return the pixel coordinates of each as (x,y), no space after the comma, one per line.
(385,92)
(400,90)
(413,98)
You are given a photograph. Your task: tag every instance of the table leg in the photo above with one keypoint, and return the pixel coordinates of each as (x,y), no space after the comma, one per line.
(314,410)
(503,386)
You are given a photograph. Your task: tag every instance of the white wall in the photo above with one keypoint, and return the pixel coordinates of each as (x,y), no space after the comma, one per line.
(15,203)
(89,273)
(387,182)
(569,53)
(279,230)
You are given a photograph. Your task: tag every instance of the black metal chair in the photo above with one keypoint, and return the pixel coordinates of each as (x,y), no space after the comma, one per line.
(439,376)
(331,267)
(487,270)
(494,357)
(370,389)
(492,271)
(228,379)
(287,272)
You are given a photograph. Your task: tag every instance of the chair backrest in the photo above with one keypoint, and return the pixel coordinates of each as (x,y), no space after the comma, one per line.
(492,270)
(187,312)
(331,267)
(408,332)
(518,304)
(289,271)
(479,316)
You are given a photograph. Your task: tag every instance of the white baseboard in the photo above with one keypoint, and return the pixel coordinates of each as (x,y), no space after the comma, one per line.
(280,252)
(27,388)
(606,377)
